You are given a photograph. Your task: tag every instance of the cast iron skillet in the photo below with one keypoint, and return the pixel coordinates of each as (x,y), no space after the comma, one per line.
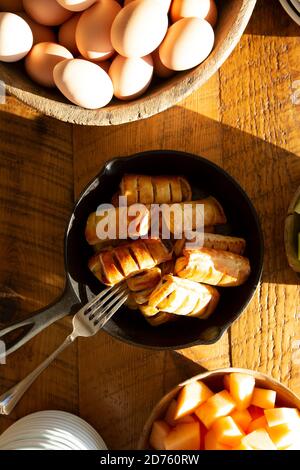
(127,325)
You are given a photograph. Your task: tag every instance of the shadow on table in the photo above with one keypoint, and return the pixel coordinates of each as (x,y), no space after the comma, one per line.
(270,19)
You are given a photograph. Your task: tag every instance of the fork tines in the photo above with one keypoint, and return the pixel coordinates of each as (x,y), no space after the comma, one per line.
(99,310)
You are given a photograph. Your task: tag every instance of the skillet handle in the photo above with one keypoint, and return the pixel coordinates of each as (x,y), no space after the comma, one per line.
(38,321)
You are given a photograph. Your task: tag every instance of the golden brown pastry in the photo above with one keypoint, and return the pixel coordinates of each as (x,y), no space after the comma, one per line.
(155,189)
(142,284)
(215,267)
(213,240)
(122,262)
(182,297)
(139,222)
(213,214)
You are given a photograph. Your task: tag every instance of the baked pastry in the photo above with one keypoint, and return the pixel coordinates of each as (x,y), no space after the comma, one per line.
(213,214)
(122,262)
(213,240)
(142,284)
(123,225)
(155,189)
(182,297)
(215,267)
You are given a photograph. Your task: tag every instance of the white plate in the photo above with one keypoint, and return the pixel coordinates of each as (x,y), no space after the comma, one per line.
(51,439)
(290,11)
(54,428)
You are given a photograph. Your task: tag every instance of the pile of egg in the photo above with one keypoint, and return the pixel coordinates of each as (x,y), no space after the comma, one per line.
(94,49)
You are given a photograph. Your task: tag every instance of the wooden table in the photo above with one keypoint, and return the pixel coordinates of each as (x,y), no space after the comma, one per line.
(244,119)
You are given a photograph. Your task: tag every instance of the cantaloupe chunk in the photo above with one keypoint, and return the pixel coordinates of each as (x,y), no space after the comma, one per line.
(183,437)
(263,398)
(220,404)
(170,416)
(211,443)
(255,412)
(257,424)
(190,397)
(241,388)
(227,432)
(276,416)
(242,419)
(284,435)
(243,446)
(259,440)
(159,432)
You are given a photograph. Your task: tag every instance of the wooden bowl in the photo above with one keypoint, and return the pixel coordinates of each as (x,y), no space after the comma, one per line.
(233,18)
(291,230)
(214,380)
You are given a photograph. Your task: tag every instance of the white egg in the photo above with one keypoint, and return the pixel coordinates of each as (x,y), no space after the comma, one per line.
(83,83)
(16,37)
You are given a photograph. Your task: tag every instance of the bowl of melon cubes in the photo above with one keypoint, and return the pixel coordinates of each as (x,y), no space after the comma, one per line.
(225,409)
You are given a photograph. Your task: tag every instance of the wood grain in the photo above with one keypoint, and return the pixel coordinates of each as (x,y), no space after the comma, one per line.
(36,196)
(243,119)
(262,110)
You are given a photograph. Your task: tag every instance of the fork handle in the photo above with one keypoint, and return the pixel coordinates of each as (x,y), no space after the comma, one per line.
(38,321)
(10,398)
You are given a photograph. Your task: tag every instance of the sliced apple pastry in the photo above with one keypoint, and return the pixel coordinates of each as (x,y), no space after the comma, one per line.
(181,297)
(214,267)
(155,189)
(119,263)
(212,240)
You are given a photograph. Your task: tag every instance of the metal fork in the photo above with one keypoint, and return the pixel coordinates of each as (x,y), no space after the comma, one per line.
(87,322)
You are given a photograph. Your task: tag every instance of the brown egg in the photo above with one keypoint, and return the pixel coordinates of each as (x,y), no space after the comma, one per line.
(76,5)
(46,12)
(40,32)
(205,9)
(11,5)
(188,43)
(67,33)
(42,59)
(160,69)
(83,83)
(165,3)
(131,76)
(93,30)
(139,28)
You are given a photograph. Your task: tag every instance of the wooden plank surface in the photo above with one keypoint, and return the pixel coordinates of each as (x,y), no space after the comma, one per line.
(36,196)
(244,119)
